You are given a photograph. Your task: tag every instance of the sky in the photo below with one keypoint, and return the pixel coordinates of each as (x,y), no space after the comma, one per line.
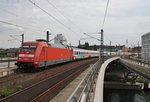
(125,20)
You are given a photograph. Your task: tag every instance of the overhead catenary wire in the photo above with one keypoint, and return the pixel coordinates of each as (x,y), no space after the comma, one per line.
(6,30)
(51,16)
(68,19)
(14,14)
(14,38)
(11,13)
(91,36)
(8,23)
(106,10)
(12,24)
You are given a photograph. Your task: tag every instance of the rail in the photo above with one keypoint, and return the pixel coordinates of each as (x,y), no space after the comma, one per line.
(85,87)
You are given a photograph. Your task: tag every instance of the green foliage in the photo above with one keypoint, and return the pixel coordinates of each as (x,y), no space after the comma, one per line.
(140,80)
(87,46)
(5,91)
(95,47)
(3,51)
(131,79)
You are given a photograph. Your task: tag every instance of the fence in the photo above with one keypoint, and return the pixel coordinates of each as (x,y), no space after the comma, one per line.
(7,62)
(86,86)
(138,61)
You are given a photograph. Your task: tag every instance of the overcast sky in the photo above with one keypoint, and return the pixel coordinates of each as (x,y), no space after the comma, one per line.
(126,19)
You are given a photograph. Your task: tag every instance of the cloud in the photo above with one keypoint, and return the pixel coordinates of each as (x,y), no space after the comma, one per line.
(12,27)
(126,19)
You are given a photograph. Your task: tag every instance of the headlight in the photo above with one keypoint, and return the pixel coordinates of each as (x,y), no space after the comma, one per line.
(30,55)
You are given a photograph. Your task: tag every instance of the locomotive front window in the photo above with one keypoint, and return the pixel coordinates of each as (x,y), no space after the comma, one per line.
(28,48)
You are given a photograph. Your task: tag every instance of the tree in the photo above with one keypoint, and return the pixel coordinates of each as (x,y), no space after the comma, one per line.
(2,51)
(95,47)
(87,45)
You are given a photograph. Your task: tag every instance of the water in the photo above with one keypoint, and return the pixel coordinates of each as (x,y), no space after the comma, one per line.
(112,95)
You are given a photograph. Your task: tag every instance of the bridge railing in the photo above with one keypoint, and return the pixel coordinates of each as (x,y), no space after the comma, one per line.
(138,61)
(85,87)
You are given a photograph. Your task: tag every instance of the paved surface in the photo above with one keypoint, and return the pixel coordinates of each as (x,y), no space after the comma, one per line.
(68,90)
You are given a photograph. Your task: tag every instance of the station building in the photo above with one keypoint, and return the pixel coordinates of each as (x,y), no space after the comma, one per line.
(146,47)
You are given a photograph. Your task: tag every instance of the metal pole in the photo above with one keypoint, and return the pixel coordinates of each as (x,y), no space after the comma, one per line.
(116,50)
(47,37)
(138,49)
(8,62)
(22,39)
(102,42)
(110,49)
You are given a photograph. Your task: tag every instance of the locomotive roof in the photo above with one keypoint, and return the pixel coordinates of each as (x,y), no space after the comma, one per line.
(30,43)
(41,42)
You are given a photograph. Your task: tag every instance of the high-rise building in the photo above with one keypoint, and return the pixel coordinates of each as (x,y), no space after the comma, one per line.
(146,47)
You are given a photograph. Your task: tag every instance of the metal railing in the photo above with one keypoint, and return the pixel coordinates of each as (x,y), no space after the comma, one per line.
(138,61)
(86,86)
(2,59)
(7,62)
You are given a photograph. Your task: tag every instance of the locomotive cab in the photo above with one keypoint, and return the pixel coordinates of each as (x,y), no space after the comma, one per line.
(28,55)
(40,54)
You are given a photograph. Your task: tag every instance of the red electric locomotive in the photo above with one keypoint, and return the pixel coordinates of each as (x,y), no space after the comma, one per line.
(41,54)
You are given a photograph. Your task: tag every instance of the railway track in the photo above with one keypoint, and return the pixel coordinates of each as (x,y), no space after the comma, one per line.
(49,86)
(16,77)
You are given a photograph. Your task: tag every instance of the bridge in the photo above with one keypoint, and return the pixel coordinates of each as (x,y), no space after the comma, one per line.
(138,68)
(115,71)
(131,69)
(100,81)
